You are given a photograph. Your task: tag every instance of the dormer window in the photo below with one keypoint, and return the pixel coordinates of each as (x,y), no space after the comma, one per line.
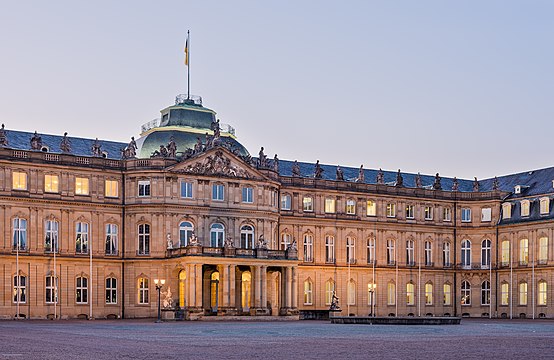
(545,205)
(506,210)
(517,189)
(525,206)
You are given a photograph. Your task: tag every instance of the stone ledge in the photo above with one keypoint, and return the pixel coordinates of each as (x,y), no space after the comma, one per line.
(408,320)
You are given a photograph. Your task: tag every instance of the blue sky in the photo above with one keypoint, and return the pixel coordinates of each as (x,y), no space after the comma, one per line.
(460,88)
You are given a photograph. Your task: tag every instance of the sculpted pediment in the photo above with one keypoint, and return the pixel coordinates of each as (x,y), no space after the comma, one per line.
(218,162)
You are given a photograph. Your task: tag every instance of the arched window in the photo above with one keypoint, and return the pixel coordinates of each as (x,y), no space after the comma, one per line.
(391,293)
(371,250)
(51,236)
(504,293)
(410,253)
(466,293)
(523,293)
(217,235)
(429,293)
(329,291)
(143,290)
(144,239)
(428,254)
(111,290)
(485,254)
(485,292)
(391,255)
(186,229)
(286,240)
(247,237)
(351,298)
(329,249)
(308,290)
(466,253)
(542,293)
(111,239)
(308,247)
(246,295)
(505,253)
(20,289)
(447,294)
(523,251)
(81,290)
(19,234)
(350,250)
(446,254)
(81,238)
(410,294)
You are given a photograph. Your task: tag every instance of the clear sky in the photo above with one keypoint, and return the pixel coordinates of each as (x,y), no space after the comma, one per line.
(464,88)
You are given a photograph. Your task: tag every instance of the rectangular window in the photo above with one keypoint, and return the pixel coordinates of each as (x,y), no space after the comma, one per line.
(371,208)
(543,250)
(285,202)
(391,210)
(218,192)
(505,247)
(370,294)
(19,234)
(111,291)
(523,251)
(447,214)
(542,293)
(308,293)
(525,207)
(111,239)
(409,211)
(51,236)
(428,211)
(51,290)
(330,206)
(428,294)
(504,294)
(247,195)
(307,204)
(506,211)
(81,186)
(523,293)
(186,189)
(350,207)
(142,291)
(144,188)
(545,205)
(81,290)
(391,294)
(20,289)
(447,291)
(486,214)
(410,294)
(19,180)
(144,239)
(51,183)
(466,215)
(81,238)
(111,188)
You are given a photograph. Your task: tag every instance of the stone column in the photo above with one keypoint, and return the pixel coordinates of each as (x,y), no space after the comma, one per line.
(288,290)
(191,293)
(294,287)
(264,287)
(226,285)
(232,292)
(198,284)
(257,283)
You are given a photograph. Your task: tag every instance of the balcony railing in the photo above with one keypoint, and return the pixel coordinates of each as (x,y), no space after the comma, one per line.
(230,252)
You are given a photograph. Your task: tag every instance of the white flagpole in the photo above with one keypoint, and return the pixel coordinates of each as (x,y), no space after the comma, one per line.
(89,285)
(534,238)
(511,276)
(55,248)
(18,293)
(419,278)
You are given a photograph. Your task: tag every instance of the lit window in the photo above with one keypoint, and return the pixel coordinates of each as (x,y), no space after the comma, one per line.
(410,253)
(308,204)
(371,208)
(51,236)
(446,254)
(246,290)
(51,290)
(466,293)
(329,249)
(447,214)
(247,195)
(523,293)
(428,212)
(19,234)
(543,250)
(371,293)
(218,192)
(286,240)
(351,298)
(144,188)
(428,294)
(186,229)
(485,293)
(51,183)
(143,290)
(111,188)
(111,290)
(350,250)
(81,238)
(410,294)
(143,239)
(542,293)
(285,202)
(391,254)
(371,250)
(308,289)
(409,211)
(466,254)
(486,214)
(447,292)
(504,294)
(186,189)
(330,206)
(20,289)
(81,186)
(525,207)
(19,180)
(111,239)
(391,293)
(466,215)
(545,205)
(247,237)
(391,210)
(485,254)
(329,292)
(308,247)
(81,290)
(428,254)
(523,251)
(506,211)
(350,207)
(505,252)
(217,235)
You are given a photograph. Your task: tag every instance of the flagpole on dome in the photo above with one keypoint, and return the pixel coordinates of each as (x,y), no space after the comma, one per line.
(187,53)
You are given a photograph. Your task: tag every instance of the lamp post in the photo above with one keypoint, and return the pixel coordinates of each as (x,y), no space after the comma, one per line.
(159,284)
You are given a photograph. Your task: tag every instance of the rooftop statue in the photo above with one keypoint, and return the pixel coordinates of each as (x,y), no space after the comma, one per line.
(65,144)
(262,244)
(209,141)
(193,240)
(229,243)
(169,241)
(216,129)
(172,148)
(262,158)
(198,146)
(361,174)
(295,169)
(3,136)
(475,185)
(96,148)
(455,184)
(318,171)
(36,142)
(418,181)
(131,150)
(437,184)
(380,177)
(495,185)
(276,164)
(340,174)
(293,245)
(399,179)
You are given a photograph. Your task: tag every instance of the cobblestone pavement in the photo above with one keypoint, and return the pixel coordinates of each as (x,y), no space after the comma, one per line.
(143,339)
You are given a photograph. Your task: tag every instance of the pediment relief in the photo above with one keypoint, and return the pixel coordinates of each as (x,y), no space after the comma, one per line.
(219,163)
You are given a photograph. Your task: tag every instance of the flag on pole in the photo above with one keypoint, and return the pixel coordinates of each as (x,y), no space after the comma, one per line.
(187,51)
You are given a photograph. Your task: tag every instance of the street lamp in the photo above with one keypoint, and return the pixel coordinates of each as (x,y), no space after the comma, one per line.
(159,284)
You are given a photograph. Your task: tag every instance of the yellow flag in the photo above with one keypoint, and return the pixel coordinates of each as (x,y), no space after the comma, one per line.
(187,52)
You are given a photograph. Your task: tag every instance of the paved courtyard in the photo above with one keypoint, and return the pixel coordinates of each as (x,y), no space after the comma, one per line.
(142,339)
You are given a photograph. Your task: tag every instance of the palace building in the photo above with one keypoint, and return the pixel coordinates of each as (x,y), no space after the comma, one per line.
(90,228)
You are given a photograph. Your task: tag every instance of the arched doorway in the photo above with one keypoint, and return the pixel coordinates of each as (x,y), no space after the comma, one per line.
(246,291)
